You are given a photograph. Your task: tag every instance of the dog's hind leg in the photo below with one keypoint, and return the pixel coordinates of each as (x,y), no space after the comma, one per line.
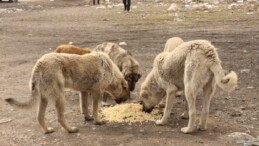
(41,116)
(170,96)
(208,91)
(190,95)
(83,99)
(60,106)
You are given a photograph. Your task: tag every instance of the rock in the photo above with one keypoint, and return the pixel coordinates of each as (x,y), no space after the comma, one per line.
(256,143)
(228,97)
(100,7)
(250,87)
(241,137)
(244,70)
(236,114)
(141,130)
(70,43)
(110,6)
(123,44)
(173,8)
(5,121)
(243,108)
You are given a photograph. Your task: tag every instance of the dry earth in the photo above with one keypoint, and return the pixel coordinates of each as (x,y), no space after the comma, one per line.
(33,28)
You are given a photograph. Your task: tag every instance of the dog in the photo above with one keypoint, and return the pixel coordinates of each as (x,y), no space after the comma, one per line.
(170,45)
(127,64)
(191,67)
(71,49)
(53,72)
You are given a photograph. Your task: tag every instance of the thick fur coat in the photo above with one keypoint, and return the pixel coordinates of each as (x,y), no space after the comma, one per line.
(52,73)
(193,66)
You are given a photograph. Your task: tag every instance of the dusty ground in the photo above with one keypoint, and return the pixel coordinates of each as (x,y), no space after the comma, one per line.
(41,26)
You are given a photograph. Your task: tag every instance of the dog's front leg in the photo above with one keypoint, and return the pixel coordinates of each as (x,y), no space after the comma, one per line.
(170,95)
(96,97)
(83,99)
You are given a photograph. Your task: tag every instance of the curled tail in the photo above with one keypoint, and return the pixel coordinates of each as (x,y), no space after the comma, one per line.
(35,93)
(226,82)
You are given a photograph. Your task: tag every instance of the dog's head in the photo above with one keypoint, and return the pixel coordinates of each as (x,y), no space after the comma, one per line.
(120,91)
(132,79)
(150,94)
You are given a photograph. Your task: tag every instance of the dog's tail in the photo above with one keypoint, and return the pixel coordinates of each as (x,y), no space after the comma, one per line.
(35,92)
(226,82)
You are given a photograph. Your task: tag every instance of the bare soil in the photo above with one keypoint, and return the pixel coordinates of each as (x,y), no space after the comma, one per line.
(40,26)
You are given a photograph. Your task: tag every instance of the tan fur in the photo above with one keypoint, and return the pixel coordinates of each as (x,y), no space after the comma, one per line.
(127,64)
(193,67)
(94,73)
(172,43)
(71,49)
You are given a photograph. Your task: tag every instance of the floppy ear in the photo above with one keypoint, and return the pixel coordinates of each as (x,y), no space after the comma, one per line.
(125,84)
(138,76)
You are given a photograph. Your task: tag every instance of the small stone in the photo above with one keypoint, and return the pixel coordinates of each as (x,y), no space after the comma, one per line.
(123,44)
(250,87)
(236,114)
(70,43)
(141,130)
(244,70)
(242,108)
(227,97)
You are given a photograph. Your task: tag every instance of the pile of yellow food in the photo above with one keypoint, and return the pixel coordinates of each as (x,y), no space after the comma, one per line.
(129,113)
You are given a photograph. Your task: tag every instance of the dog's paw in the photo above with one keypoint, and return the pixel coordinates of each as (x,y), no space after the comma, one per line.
(160,122)
(105,103)
(73,130)
(49,130)
(202,127)
(99,122)
(187,130)
(88,118)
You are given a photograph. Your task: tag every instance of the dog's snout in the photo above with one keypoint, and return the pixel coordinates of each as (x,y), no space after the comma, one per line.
(147,110)
(119,100)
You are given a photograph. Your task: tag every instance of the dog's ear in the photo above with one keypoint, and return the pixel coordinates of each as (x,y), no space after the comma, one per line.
(125,84)
(138,76)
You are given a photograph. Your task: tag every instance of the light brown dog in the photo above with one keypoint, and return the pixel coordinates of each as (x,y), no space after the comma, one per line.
(71,49)
(94,73)
(193,67)
(170,45)
(127,64)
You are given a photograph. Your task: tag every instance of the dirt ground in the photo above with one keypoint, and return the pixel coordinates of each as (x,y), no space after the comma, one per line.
(33,28)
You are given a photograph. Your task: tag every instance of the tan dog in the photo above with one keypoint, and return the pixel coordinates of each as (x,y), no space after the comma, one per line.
(94,73)
(170,45)
(127,64)
(193,66)
(71,49)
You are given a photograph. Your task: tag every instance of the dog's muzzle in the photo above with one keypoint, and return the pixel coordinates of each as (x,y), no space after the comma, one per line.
(147,109)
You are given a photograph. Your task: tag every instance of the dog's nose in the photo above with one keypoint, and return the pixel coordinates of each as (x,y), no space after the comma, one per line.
(119,100)
(147,110)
